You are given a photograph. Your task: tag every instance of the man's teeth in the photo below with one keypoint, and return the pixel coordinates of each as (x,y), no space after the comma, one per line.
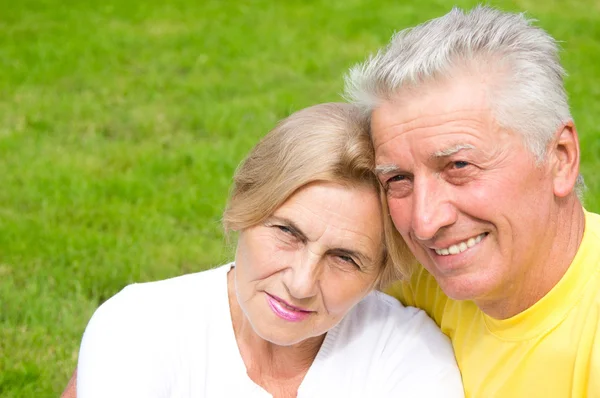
(460,247)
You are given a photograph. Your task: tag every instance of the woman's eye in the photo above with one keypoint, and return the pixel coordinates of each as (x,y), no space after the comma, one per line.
(349,260)
(285,229)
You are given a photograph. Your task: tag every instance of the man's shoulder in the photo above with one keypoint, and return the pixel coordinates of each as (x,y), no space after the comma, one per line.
(587,259)
(592,226)
(423,291)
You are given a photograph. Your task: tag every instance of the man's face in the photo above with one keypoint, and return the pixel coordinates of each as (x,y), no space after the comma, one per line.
(465,194)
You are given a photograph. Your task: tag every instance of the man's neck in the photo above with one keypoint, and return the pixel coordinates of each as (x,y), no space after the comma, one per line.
(564,235)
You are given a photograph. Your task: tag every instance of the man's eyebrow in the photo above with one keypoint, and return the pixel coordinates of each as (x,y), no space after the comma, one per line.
(386,169)
(451,150)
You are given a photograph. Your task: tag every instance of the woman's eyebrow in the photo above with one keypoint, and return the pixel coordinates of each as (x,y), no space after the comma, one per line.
(340,250)
(291,225)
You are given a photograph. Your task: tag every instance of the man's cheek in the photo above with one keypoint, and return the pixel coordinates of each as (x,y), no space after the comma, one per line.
(400,211)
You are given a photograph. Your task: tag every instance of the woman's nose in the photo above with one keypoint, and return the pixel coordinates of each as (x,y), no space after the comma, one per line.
(303,277)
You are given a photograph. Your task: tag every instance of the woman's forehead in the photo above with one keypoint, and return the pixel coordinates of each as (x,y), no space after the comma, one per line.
(334,211)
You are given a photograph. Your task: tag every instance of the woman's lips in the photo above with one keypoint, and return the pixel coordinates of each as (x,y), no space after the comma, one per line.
(285,311)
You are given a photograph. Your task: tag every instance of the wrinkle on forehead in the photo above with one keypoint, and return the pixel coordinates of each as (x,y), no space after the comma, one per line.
(434,104)
(456,121)
(341,218)
(302,215)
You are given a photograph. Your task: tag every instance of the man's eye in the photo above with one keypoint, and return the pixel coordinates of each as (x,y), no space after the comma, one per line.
(396,179)
(460,164)
(398,186)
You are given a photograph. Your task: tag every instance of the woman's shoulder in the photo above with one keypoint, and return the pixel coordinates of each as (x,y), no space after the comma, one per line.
(410,329)
(173,289)
(403,347)
(379,310)
(140,341)
(164,302)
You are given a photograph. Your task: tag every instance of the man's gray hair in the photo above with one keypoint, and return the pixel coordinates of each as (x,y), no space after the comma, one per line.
(527,94)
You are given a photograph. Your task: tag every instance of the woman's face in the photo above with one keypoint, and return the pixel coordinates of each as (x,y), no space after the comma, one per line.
(307,265)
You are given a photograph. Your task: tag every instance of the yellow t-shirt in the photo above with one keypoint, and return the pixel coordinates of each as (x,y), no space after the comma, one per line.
(552,349)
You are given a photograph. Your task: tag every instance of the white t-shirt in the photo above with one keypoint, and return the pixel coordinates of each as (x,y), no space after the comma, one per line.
(174,338)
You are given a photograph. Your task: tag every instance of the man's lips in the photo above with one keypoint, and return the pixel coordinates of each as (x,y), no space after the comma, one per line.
(459,246)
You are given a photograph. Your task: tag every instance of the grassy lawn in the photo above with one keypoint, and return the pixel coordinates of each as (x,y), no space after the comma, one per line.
(121,123)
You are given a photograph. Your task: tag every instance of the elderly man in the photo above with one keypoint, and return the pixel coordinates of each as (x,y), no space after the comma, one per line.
(479,156)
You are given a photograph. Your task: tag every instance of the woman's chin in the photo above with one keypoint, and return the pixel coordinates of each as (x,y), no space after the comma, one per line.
(287,338)
(280,338)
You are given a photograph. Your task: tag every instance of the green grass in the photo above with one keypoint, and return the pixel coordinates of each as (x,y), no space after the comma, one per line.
(121,123)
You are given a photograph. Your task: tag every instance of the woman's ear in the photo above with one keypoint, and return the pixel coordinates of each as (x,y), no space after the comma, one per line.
(564,154)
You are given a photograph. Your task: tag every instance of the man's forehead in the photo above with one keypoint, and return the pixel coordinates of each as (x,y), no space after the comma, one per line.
(440,151)
(432,99)
(449,130)
(451,149)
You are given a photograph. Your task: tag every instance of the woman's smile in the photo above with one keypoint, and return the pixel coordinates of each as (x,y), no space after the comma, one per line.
(286,311)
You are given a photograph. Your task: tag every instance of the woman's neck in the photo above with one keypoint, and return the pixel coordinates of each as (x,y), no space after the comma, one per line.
(273,367)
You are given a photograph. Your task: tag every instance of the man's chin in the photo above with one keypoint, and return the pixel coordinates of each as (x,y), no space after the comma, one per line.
(461,287)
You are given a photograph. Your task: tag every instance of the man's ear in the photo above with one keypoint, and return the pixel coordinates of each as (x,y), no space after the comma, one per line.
(564,154)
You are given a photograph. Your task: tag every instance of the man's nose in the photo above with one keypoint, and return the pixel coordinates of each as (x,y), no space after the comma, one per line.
(432,207)
(303,280)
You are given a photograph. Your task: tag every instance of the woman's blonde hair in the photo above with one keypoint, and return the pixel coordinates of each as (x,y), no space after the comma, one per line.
(327,142)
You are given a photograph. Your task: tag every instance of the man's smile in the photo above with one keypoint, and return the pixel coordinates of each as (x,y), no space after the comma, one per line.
(460,246)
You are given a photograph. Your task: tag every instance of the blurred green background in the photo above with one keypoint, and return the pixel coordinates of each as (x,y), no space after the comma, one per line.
(121,123)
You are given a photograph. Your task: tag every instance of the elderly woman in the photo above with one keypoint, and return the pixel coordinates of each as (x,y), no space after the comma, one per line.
(296,314)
